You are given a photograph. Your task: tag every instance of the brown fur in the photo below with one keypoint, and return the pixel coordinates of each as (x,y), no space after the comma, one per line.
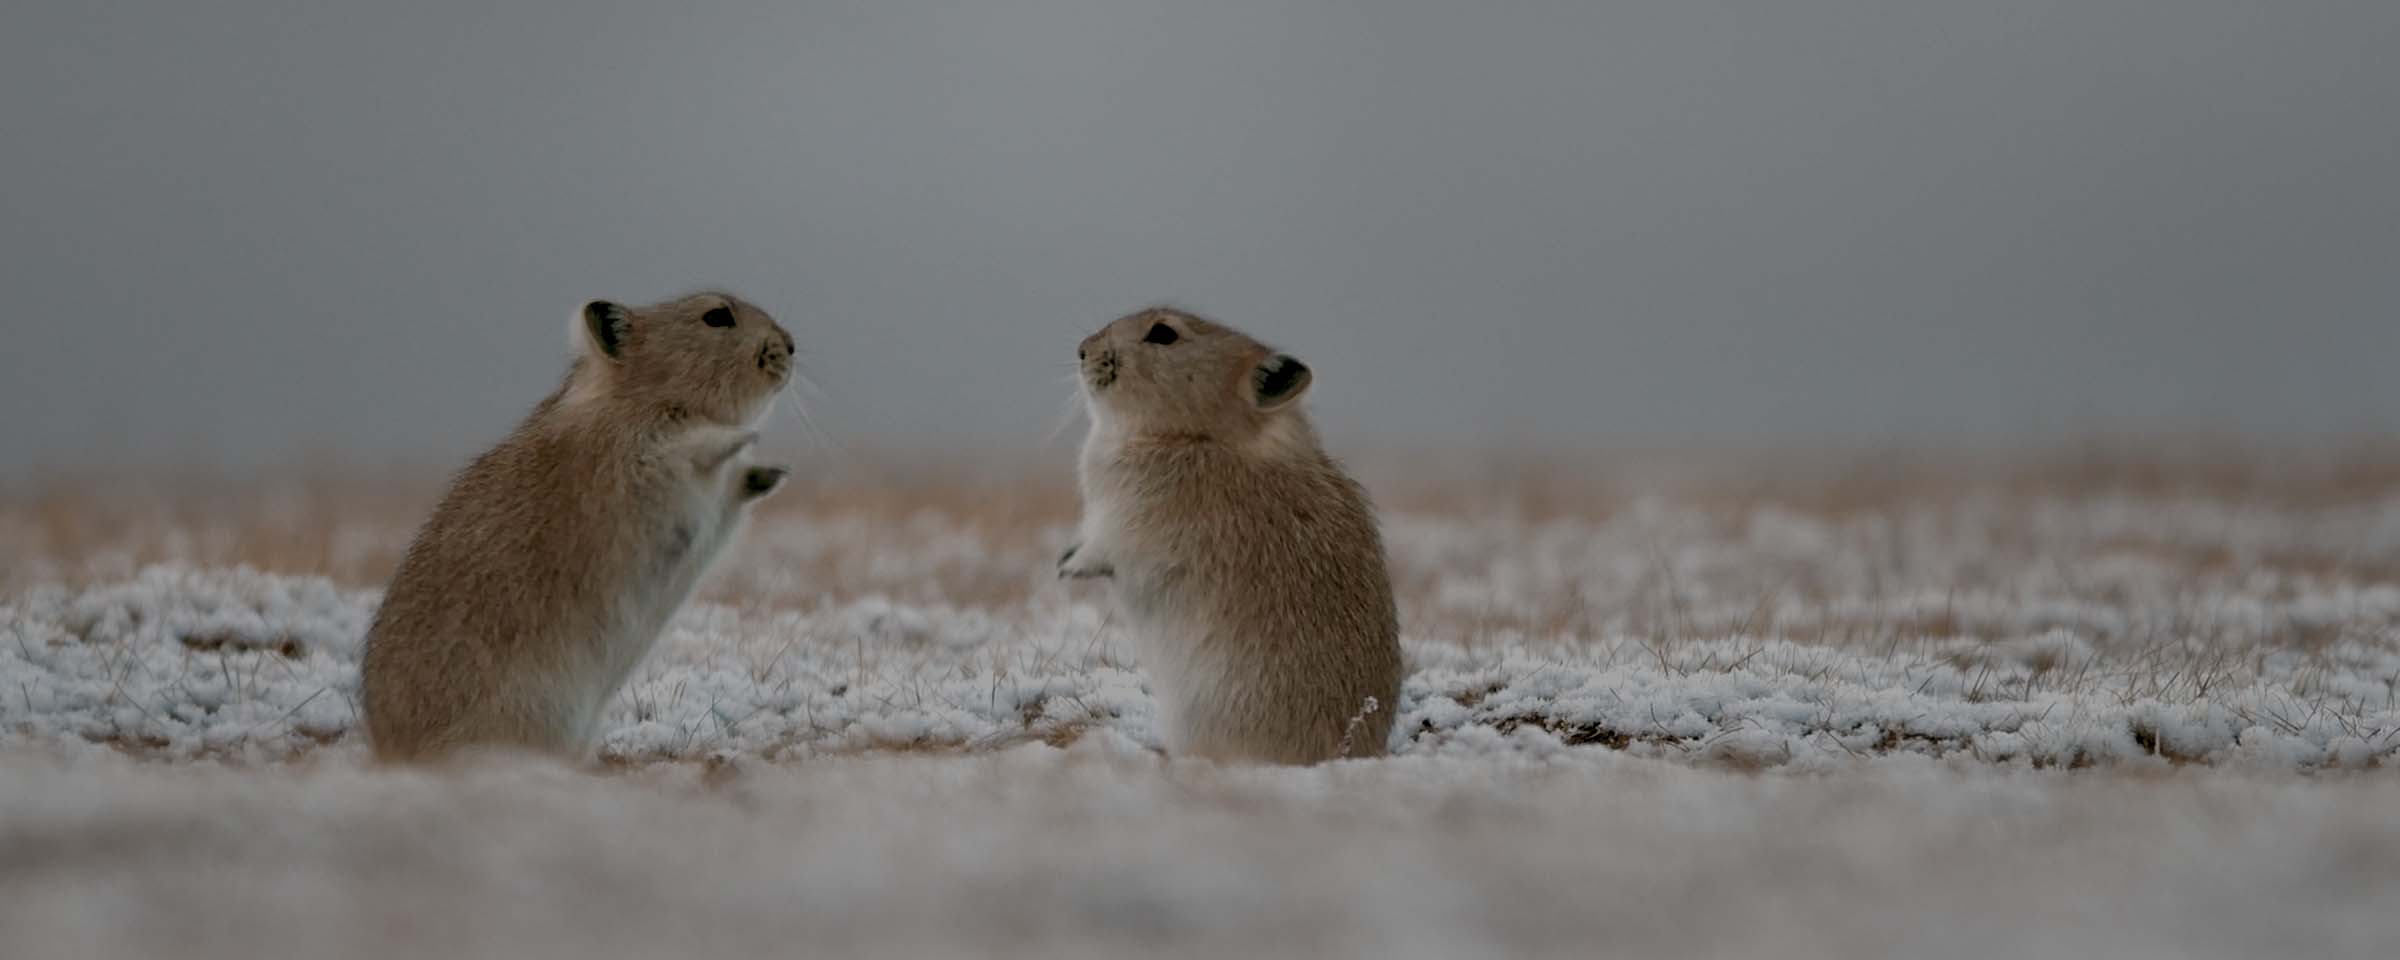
(549,567)
(1247,564)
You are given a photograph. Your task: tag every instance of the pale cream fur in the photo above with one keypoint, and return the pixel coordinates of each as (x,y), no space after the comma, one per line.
(1245,564)
(550,566)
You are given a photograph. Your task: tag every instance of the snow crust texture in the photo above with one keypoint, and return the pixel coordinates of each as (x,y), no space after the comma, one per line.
(2103,628)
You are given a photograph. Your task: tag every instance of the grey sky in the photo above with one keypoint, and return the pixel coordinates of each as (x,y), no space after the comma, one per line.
(239,231)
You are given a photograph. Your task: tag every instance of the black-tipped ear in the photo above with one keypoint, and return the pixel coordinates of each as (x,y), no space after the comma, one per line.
(1279,380)
(607,324)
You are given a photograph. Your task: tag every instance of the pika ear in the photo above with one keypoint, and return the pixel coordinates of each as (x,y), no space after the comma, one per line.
(1278,380)
(605,326)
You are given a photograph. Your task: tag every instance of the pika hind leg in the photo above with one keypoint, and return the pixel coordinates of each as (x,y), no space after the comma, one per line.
(554,725)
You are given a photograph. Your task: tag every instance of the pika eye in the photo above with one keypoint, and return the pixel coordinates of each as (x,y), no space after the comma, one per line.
(1160,334)
(719,317)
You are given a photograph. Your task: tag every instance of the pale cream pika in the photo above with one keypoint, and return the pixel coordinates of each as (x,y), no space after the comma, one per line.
(1246,565)
(556,558)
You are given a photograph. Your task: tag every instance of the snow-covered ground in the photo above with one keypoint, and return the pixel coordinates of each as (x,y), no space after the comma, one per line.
(2146,709)
(2097,625)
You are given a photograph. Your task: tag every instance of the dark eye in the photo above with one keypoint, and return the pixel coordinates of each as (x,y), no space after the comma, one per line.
(719,317)
(1159,334)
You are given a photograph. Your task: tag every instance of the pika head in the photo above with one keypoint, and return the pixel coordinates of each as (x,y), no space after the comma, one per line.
(1162,371)
(708,355)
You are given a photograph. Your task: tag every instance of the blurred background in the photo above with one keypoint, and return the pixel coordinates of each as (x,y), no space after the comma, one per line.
(247,232)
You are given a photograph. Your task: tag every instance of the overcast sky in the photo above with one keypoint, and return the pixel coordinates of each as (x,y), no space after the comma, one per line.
(236,231)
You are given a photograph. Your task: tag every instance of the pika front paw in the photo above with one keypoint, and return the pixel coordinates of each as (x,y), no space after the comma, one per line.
(710,447)
(1071,566)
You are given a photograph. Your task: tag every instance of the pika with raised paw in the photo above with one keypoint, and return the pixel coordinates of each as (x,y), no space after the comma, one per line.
(1246,564)
(556,558)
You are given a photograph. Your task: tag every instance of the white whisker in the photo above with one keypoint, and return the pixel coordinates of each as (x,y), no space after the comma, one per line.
(1066,417)
(797,408)
(800,382)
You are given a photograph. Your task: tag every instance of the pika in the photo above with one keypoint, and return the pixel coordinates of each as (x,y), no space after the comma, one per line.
(555,559)
(1247,564)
